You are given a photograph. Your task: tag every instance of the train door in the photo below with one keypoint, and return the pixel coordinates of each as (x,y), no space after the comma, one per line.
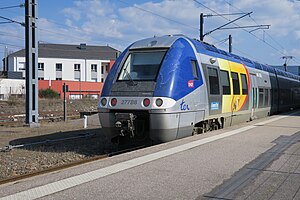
(215,97)
(240,93)
(254,89)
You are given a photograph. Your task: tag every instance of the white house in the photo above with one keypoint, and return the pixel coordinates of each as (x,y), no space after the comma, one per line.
(66,62)
(11,87)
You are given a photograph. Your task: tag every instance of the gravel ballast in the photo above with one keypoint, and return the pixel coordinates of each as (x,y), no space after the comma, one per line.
(33,158)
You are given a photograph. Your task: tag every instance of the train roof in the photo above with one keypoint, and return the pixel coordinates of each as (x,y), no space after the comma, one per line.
(213,51)
(156,42)
(208,49)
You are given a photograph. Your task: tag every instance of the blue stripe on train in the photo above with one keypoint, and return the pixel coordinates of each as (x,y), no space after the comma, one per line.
(175,78)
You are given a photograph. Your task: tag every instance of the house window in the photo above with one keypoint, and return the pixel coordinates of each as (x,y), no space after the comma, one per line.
(94,68)
(75,96)
(76,67)
(22,66)
(58,66)
(102,80)
(41,66)
(213,81)
(92,96)
(225,81)
(58,79)
(236,83)
(40,78)
(104,66)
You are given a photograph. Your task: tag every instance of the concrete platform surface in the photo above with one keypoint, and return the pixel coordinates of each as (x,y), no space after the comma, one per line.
(256,160)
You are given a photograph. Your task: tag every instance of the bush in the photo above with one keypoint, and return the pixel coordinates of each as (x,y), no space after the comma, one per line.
(48,93)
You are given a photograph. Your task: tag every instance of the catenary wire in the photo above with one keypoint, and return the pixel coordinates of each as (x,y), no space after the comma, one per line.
(166,18)
(186,25)
(16,6)
(272,38)
(11,45)
(268,44)
(144,10)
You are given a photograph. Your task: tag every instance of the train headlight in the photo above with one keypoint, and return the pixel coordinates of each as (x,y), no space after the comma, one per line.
(103,101)
(113,101)
(159,102)
(146,102)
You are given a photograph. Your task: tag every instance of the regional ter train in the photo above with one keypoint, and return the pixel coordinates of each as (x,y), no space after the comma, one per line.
(173,86)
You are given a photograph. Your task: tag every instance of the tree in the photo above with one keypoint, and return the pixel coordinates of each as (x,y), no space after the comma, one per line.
(48,93)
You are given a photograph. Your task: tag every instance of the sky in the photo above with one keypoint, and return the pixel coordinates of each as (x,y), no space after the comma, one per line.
(118,23)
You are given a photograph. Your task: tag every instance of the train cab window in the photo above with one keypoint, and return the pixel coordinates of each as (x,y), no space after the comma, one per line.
(141,66)
(213,81)
(236,83)
(244,84)
(224,76)
(195,69)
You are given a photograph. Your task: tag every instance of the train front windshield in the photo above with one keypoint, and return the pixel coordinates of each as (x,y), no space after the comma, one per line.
(141,66)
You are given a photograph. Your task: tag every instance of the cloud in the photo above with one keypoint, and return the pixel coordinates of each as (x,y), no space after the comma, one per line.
(119,23)
(12,36)
(104,19)
(297,34)
(72,13)
(51,32)
(166,17)
(283,16)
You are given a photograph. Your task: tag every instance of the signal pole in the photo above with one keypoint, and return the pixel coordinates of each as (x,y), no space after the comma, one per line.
(31,49)
(230,44)
(201,27)
(286,61)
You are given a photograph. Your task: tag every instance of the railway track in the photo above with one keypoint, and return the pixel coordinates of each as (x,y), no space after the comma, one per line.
(15,120)
(51,169)
(72,164)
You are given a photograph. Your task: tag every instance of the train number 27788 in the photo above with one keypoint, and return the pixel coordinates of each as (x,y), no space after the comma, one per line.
(129,102)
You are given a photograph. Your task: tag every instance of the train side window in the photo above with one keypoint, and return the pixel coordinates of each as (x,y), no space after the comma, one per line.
(213,81)
(195,69)
(225,81)
(261,98)
(244,84)
(266,104)
(270,97)
(236,83)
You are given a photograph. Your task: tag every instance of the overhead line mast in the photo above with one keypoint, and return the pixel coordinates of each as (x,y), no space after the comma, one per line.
(31,51)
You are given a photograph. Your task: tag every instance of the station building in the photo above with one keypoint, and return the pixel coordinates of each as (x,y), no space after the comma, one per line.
(82,67)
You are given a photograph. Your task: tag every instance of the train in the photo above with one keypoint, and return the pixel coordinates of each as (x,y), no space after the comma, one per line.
(173,86)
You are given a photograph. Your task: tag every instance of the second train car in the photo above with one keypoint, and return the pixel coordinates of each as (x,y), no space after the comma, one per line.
(173,86)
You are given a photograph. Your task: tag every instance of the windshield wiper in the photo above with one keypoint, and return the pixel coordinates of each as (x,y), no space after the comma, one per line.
(128,75)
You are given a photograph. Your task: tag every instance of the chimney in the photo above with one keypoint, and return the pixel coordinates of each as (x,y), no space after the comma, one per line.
(82,46)
(5,60)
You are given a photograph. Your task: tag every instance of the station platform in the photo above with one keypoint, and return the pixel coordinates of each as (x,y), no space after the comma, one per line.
(255,160)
